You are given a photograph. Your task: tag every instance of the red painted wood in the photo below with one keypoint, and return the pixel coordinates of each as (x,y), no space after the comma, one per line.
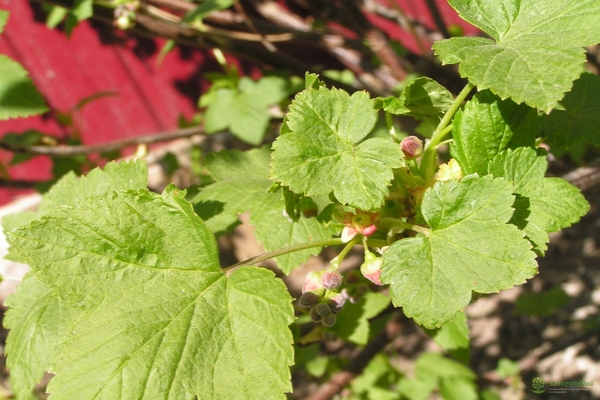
(67,70)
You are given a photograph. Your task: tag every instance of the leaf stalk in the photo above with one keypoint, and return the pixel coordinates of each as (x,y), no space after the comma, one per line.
(282,251)
(429,155)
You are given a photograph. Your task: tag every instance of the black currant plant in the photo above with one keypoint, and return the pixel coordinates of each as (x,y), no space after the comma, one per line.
(126,297)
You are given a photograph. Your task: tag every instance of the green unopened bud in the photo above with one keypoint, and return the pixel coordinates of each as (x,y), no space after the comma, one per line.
(314,316)
(310,299)
(328,320)
(322,309)
(411,146)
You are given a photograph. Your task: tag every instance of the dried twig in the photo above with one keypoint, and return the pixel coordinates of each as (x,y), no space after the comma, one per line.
(69,151)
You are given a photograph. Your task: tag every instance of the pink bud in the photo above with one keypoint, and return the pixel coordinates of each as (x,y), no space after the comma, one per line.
(336,302)
(371,268)
(331,279)
(312,282)
(369,230)
(411,146)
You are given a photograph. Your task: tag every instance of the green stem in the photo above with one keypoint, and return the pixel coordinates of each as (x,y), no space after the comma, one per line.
(282,251)
(429,155)
(335,262)
(390,125)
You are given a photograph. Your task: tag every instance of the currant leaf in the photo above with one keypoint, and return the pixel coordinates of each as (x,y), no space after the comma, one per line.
(161,319)
(325,151)
(486,126)
(470,248)
(543,204)
(536,50)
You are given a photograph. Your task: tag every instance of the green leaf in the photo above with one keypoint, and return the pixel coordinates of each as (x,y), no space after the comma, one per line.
(580,117)
(536,50)
(242,185)
(541,304)
(453,337)
(162,320)
(18,95)
(206,8)
(56,14)
(83,9)
(99,182)
(246,110)
(432,370)
(69,189)
(543,204)
(3,19)
(37,319)
(422,98)
(352,323)
(488,125)
(470,248)
(325,151)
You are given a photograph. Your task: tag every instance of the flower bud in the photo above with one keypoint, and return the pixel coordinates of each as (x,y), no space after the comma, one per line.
(314,316)
(310,299)
(411,146)
(331,279)
(328,320)
(371,268)
(322,309)
(312,282)
(336,302)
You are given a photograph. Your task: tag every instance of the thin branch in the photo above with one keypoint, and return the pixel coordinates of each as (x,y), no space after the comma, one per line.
(356,365)
(69,151)
(437,18)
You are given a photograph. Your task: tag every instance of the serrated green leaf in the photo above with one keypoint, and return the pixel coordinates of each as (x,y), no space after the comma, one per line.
(38,320)
(536,51)
(92,241)
(453,337)
(99,182)
(486,126)
(18,95)
(580,117)
(324,151)
(422,98)
(70,188)
(352,323)
(470,248)
(242,185)
(163,321)
(543,204)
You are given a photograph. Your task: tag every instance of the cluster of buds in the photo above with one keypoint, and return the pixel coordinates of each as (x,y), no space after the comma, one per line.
(321,295)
